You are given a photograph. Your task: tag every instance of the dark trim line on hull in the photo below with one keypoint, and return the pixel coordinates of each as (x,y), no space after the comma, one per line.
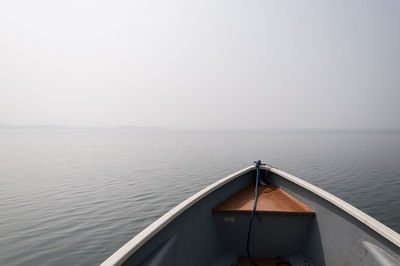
(135,243)
(375,225)
(139,240)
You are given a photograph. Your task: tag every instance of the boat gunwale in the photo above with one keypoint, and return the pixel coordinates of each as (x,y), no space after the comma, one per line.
(140,239)
(386,232)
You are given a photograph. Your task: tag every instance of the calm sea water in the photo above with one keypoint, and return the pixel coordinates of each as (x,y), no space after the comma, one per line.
(73,197)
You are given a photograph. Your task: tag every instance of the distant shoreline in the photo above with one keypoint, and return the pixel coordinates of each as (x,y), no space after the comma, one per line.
(10,127)
(77,128)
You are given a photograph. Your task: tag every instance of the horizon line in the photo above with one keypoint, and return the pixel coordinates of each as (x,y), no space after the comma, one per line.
(4,126)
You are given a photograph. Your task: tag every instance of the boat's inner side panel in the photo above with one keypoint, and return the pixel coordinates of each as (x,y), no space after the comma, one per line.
(307,229)
(194,235)
(336,237)
(273,235)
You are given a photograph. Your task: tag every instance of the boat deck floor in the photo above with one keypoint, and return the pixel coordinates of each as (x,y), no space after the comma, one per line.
(262,262)
(271,200)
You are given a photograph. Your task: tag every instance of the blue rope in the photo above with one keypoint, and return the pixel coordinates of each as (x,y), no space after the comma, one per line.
(258,163)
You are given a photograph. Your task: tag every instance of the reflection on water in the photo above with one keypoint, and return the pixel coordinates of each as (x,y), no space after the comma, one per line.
(73,197)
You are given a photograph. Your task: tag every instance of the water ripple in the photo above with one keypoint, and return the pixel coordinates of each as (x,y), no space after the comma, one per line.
(73,198)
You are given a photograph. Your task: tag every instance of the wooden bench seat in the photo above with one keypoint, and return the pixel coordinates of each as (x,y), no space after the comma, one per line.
(262,262)
(271,200)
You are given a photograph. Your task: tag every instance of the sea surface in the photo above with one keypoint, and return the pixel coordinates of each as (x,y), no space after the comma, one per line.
(75,197)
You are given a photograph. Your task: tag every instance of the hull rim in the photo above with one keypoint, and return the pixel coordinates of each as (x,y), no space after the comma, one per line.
(140,239)
(361,216)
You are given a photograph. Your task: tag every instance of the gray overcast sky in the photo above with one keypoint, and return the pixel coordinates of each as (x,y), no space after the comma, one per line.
(201,64)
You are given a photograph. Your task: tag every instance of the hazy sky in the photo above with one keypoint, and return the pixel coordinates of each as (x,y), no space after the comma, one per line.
(201,64)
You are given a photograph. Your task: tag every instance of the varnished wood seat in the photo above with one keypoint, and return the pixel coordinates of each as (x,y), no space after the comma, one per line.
(262,262)
(271,200)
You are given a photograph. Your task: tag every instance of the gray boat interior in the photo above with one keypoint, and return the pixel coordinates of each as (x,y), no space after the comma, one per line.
(199,236)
